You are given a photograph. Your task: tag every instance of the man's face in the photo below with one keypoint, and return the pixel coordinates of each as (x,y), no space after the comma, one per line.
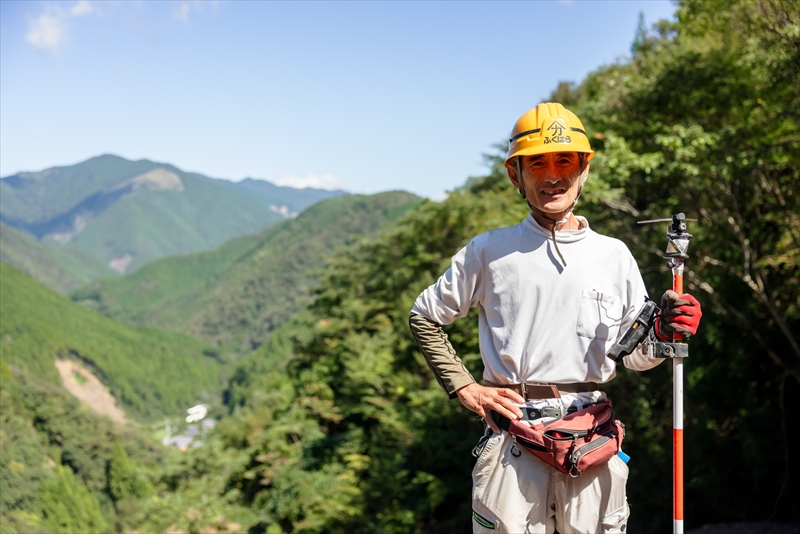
(551,181)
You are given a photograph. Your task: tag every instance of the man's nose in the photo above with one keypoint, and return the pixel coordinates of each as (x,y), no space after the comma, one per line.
(551,173)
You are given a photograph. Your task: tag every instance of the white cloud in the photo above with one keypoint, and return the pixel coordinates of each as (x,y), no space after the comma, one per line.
(47,33)
(317,181)
(186,7)
(50,30)
(182,12)
(84,7)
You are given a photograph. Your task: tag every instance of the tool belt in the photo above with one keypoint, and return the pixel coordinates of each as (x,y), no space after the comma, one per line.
(531,391)
(578,441)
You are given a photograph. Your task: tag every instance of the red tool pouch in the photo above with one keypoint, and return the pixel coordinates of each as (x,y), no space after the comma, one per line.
(575,443)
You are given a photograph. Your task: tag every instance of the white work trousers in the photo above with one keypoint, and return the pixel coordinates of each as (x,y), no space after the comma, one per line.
(524,495)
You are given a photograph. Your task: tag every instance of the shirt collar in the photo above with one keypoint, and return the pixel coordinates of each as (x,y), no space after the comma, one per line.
(562,236)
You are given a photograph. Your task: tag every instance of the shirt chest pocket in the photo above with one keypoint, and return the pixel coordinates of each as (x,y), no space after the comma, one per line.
(599,316)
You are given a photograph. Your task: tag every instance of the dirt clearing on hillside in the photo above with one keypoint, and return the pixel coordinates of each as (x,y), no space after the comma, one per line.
(83,384)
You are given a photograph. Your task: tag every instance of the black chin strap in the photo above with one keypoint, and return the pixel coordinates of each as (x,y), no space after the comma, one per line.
(543,215)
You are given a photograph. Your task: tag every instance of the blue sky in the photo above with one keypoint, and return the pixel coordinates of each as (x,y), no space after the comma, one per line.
(366,96)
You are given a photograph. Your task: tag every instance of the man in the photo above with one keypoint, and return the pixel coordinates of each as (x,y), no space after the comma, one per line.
(554,297)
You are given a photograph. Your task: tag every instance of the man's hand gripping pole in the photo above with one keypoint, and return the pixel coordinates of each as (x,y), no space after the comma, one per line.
(677,244)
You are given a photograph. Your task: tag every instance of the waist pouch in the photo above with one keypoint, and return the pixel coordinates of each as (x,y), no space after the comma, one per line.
(574,443)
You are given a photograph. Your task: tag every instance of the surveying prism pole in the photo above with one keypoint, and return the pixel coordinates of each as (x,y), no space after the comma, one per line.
(677,417)
(677,245)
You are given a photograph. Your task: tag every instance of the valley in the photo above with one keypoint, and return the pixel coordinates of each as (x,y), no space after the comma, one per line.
(236,295)
(73,372)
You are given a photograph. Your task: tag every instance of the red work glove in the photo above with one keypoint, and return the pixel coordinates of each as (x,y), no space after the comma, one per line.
(679,314)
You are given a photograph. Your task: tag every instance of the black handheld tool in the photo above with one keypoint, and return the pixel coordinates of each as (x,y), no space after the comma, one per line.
(636,333)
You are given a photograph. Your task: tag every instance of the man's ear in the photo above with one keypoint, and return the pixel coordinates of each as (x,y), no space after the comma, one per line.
(585,174)
(511,167)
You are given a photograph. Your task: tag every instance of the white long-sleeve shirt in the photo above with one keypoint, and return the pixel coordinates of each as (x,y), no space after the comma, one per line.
(541,321)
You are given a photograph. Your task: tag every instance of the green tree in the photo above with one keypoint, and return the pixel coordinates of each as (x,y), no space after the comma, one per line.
(124,478)
(706,120)
(68,506)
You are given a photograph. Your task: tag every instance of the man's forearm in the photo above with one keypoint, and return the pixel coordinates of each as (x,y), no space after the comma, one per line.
(440,355)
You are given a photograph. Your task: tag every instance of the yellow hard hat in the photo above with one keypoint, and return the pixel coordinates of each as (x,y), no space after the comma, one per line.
(549,127)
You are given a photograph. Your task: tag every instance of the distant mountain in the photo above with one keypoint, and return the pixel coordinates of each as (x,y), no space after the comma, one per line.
(59,269)
(288,201)
(129,213)
(236,295)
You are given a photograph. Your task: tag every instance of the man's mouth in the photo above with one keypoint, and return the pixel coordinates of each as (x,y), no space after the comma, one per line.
(558,191)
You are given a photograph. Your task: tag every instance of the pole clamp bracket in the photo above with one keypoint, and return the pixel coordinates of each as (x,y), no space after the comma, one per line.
(671,350)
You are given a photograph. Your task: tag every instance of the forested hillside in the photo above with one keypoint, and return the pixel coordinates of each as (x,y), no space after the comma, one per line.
(149,371)
(64,468)
(345,428)
(236,295)
(62,270)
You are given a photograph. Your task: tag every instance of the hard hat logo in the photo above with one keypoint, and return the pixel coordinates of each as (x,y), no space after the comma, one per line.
(557,129)
(546,128)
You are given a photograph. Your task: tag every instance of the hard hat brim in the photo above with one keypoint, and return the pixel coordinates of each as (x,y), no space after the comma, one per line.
(551,149)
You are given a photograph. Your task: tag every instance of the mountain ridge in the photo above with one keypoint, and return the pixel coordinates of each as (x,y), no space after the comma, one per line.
(60,269)
(128,213)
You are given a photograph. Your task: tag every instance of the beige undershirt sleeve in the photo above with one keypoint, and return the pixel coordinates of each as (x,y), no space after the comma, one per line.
(440,355)
(638,360)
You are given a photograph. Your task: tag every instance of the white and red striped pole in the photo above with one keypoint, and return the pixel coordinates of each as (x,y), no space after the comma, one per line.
(677,244)
(677,415)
